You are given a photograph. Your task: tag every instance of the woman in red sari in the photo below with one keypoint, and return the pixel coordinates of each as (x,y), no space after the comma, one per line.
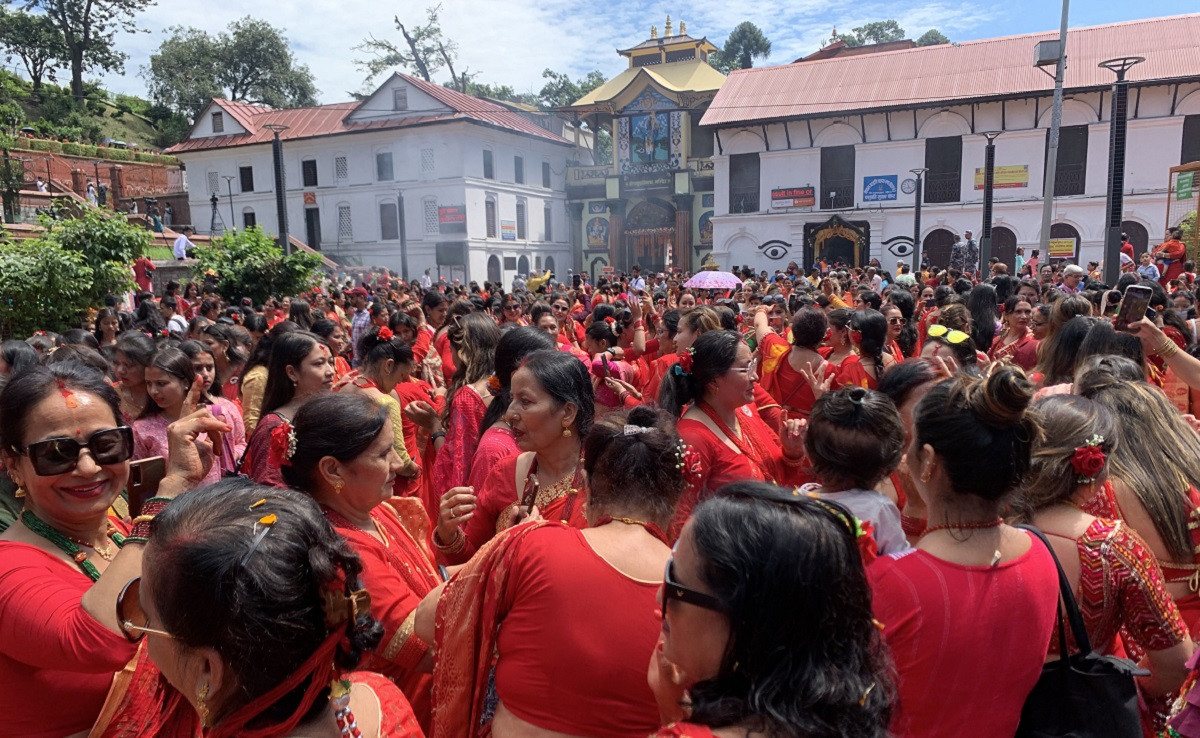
(785,367)
(666,332)
(808,664)
(344,457)
(1120,587)
(564,617)
(474,338)
(1016,341)
(497,443)
(66,557)
(285,622)
(868,336)
(550,412)
(714,381)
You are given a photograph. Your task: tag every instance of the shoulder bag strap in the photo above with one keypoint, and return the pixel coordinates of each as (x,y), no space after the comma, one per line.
(1066,600)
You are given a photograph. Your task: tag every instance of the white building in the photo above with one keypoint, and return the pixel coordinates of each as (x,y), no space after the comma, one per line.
(416,172)
(836,134)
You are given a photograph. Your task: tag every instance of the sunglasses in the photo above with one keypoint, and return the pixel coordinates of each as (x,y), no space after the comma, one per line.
(898,321)
(673,590)
(60,455)
(133,621)
(952,337)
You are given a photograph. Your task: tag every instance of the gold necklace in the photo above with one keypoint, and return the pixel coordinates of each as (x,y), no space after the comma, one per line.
(105,553)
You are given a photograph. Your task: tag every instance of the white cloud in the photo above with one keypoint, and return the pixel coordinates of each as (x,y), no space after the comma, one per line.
(512,41)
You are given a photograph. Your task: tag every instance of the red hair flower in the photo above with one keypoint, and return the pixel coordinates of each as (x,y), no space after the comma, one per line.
(685,360)
(610,320)
(1088,460)
(494,384)
(283,444)
(385,334)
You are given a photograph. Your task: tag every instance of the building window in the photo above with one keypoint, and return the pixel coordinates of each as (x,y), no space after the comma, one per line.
(519,170)
(548,217)
(743,183)
(426,161)
(489,210)
(345,224)
(214,183)
(546,174)
(308,172)
(400,98)
(1070,174)
(246,176)
(521,231)
(341,168)
(389,222)
(249,220)
(431,215)
(837,177)
(1191,140)
(218,122)
(510,263)
(383,166)
(943,159)
(489,168)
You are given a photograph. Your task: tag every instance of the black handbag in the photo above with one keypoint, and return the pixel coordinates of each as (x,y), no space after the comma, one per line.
(1083,694)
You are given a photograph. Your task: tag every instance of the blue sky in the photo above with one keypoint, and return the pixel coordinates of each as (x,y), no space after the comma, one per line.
(512,41)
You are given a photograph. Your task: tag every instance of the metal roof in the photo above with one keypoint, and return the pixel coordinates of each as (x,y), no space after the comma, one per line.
(330,120)
(972,70)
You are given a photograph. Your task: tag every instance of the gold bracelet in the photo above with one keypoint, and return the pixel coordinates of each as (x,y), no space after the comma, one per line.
(1167,350)
(142,519)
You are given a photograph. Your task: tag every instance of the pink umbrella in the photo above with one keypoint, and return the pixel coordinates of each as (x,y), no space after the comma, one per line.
(706,280)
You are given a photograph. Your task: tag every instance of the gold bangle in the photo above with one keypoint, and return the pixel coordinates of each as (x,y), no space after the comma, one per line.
(142,519)
(1167,349)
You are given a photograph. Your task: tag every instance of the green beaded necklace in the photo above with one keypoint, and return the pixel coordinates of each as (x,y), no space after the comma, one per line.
(66,545)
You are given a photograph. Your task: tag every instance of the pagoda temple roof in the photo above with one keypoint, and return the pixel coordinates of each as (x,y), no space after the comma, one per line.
(692,75)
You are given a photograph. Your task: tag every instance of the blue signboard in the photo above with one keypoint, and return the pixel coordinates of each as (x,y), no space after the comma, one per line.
(877,189)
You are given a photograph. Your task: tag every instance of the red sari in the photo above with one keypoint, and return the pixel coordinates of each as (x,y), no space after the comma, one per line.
(453,465)
(500,494)
(683,730)
(398,574)
(1023,351)
(759,457)
(787,386)
(407,392)
(257,462)
(528,608)
(496,446)
(853,374)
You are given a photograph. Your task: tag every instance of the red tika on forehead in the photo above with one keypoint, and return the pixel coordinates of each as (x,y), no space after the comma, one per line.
(68,396)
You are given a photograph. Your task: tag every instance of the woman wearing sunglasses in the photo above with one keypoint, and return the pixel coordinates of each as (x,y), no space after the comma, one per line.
(286,619)
(511,312)
(810,664)
(569,614)
(64,560)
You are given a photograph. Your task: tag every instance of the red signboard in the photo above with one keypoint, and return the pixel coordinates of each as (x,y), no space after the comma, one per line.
(793,197)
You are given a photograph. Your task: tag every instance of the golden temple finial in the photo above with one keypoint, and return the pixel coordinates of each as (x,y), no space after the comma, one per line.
(667,28)
(682,28)
(653,31)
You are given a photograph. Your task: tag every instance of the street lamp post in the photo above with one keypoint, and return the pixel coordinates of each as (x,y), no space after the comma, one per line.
(1060,68)
(919,193)
(1116,164)
(989,182)
(229,189)
(280,195)
(403,234)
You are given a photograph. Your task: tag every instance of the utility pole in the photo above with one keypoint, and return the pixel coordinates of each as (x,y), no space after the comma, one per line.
(1115,207)
(1055,125)
(280,194)
(920,193)
(989,186)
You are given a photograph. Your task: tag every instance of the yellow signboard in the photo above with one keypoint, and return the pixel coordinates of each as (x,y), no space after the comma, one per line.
(1062,248)
(1005,177)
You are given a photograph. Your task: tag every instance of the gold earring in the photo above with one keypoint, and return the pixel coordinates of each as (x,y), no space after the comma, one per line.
(337,487)
(20,492)
(202,704)
(566,432)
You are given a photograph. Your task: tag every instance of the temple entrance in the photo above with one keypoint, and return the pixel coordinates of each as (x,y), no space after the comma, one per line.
(649,234)
(837,241)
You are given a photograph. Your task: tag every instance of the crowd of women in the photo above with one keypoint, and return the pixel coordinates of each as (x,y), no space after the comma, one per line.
(790,509)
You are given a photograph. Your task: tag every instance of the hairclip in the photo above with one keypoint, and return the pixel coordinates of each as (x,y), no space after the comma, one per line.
(635,430)
(259,534)
(339,607)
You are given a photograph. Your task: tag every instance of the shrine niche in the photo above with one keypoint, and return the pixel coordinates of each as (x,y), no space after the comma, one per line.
(837,241)
(649,235)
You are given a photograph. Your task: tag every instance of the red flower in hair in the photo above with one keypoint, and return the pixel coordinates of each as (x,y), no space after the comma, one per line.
(385,334)
(610,320)
(1088,461)
(685,361)
(283,444)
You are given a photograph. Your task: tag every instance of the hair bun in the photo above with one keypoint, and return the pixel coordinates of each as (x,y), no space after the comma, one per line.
(642,416)
(1001,399)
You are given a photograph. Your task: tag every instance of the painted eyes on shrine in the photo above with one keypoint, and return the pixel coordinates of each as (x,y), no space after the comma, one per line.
(774,250)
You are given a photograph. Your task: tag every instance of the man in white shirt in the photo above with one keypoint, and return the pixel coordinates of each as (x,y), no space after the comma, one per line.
(182,244)
(636,283)
(168,307)
(426,281)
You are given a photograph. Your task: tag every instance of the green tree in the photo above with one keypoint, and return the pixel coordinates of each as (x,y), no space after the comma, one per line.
(249,264)
(878,32)
(249,62)
(12,117)
(497,92)
(41,282)
(35,41)
(561,91)
(746,43)
(88,29)
(12,179)
(932,37)
(425,52)
(108,244)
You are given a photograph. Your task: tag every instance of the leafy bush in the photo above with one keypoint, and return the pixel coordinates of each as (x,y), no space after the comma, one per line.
(249,264)
(145,158)
(39,144)
(40,287)
(73,149)
(119,154)
(108,243)
(12,117)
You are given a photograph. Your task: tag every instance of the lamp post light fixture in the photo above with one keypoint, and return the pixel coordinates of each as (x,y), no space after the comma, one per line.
(229,188)
(919,193)
(989,184)
(280,194)
(1115,206)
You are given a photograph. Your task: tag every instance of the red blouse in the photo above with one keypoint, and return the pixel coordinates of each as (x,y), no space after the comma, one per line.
(853,374)
(952,629)
(256,463)
(453,465)
(496,447)
(553,670)
(396,716)
(442,345)
(56,661)
(1121,586)
(500,491)
(787,386)
(1023,351)
(398,574)
(683,730)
